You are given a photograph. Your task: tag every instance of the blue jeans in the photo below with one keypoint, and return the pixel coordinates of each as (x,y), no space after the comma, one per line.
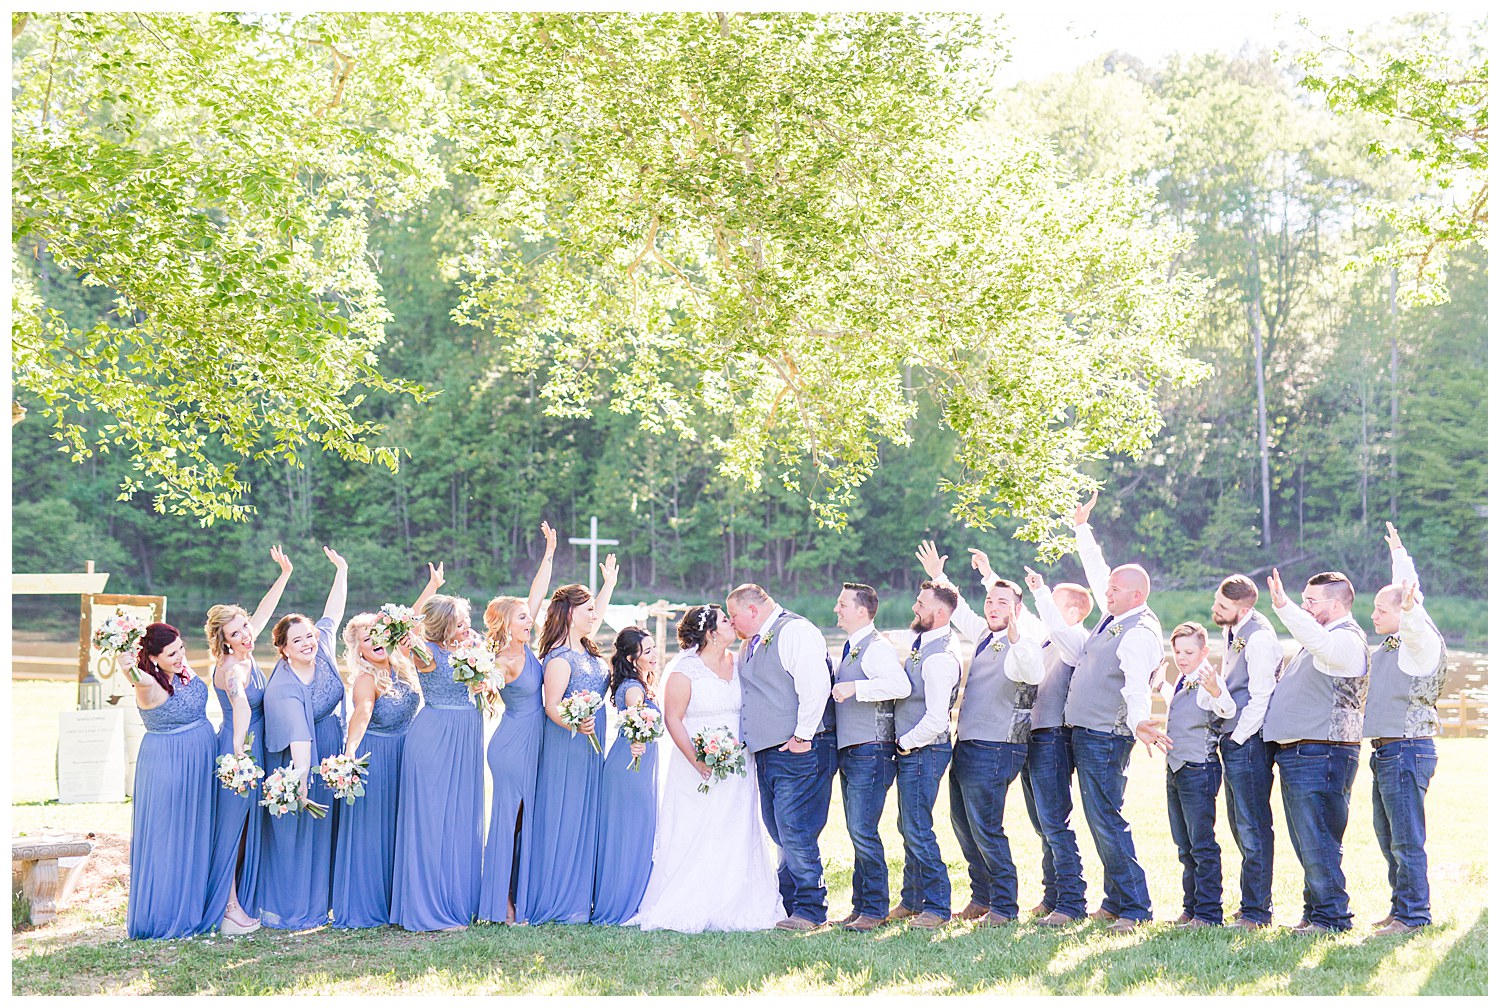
(1247,793)
(866,773)
(924,878)
(1316,779)
(1402,772)
(795,789)
(1101,759)
(981,775)
(1047,784)
(1192,806)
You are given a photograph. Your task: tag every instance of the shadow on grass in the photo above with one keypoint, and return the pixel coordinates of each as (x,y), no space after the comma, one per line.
(960,959)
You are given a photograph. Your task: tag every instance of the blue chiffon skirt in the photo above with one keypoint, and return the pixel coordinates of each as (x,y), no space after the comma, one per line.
(171,835)
(561,836)
(512,758)
(365,855)
(295,888)
(627,832)
(237,818)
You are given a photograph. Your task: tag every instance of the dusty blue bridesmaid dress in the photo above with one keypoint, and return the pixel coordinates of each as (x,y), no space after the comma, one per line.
(627,823)
(238,818)
(559,842)
(172,820)
(512,757)
(295,888)
(365,855)
(440,815)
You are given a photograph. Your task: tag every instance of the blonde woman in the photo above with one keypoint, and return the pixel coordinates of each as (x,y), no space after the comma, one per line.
(385,693)
(440,812)
(512,753)
(240,684)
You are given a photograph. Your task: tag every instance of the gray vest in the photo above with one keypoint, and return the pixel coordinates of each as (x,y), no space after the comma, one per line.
(1399,705)
(860,721)
(911,708)
(1190,728)
(769,713)
(1237,670)
(996,708)
(1094,699)
(1310,705)
(1052,694)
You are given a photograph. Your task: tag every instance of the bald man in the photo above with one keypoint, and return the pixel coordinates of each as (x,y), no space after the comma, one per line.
(1406,679)
(1108,708)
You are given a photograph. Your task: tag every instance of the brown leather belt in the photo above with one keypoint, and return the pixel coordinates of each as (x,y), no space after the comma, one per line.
(1316,741)
(1378,742)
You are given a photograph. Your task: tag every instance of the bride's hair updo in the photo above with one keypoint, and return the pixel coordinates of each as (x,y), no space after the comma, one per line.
(696,625)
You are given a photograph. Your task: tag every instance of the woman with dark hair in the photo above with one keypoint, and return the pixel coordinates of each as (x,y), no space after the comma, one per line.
(302,696)
(559,843)
(513,748)
(627,804)
(440,814)
(240,686)
(172,811)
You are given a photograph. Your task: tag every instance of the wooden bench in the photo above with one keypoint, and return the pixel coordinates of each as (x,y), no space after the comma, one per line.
(35,859)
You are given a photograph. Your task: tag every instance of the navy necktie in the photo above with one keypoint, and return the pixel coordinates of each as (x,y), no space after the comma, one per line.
(1104,624)
(984,643)
(846,652)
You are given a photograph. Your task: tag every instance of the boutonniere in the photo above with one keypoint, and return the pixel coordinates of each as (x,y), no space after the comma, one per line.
(854,652)
(1391,643)
(1115,630)
(1238,645)
(1190,685)
(768,638)
(995,646)
(915,654)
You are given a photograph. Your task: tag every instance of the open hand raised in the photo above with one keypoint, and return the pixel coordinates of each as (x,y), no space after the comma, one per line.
(1081,512)
(281,559)
(1278,594)
(338,562)
(932,563)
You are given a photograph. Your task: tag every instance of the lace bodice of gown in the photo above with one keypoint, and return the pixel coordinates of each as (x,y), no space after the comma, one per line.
(187,705)
(714,702)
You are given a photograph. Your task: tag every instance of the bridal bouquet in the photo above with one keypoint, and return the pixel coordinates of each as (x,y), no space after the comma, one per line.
(639,723)
(345,775)
(280,794)
(393,625)
(239,773)
(576,708)
(721,752)
(120,634)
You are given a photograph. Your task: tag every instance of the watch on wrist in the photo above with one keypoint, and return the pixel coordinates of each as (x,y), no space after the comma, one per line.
(796,739)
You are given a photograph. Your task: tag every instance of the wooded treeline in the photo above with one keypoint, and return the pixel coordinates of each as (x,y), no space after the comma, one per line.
(1370,410)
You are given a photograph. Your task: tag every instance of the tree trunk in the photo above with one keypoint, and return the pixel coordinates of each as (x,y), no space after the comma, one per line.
(1257,335)
(1395,410)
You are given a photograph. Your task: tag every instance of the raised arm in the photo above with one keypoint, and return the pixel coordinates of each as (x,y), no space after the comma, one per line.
(610,569)
(543,577)
(1089,553)
(1338,655)
(268,602)
(968,622)
(434,582)
(333,609)
(1403,569)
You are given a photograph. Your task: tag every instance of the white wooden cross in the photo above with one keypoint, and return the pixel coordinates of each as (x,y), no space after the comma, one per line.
(593,542)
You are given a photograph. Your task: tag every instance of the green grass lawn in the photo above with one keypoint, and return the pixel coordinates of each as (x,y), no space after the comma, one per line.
(85,951)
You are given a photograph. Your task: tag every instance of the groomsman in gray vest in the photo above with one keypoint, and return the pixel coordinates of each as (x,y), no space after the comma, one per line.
(1109,705)
(1315,718)
(923,751)
(868,680)
(1048,780)
(1252,663)
(788,721)
(1406,679)
(994,726)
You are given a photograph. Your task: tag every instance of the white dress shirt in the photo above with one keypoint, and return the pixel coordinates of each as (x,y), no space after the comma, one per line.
(1221,706)
(1421,647)
(886,679)
(804,653)
(1140,652)
(1068,638)
(939,678)
(1262,656)
(1023,663)
(1342,656)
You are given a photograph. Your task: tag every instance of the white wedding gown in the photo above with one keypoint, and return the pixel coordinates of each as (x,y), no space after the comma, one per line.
(714,865)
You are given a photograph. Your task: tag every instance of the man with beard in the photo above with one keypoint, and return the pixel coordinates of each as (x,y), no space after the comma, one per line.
(994,726)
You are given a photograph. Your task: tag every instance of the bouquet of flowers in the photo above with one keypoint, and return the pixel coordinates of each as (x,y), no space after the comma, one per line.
(120,634)
(487,692)
(345,775)
(280,794)
(239,773)
(393,625)
(474,666)
(640,723)
(721,752)
(576,708)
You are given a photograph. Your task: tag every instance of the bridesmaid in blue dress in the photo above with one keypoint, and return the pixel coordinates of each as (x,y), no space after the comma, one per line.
(560,840)
(385,697)
(440,816)
(627,806)
(239,684)
(303,704)
(172,812)
(513,748)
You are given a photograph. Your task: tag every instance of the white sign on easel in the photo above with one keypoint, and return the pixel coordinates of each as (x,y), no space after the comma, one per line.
(91,756)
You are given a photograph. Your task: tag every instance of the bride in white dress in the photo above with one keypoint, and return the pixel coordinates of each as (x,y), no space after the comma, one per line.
(714,867)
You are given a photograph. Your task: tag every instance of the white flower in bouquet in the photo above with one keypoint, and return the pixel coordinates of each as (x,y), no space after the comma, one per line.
(640,723)
(345,775)
(239,773)
(393,625)
(119,634)
(281,793)
(576,708)
(721,752)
